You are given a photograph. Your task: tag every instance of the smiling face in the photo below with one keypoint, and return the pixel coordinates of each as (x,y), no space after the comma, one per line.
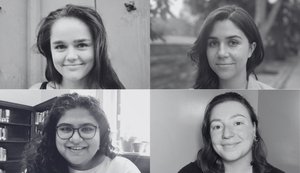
(72,48)
(76,150)
(228,50)
(232,132)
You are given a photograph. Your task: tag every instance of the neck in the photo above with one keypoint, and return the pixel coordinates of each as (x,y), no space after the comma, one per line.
(236,82)
(95,161)
(69,84)
(240,165)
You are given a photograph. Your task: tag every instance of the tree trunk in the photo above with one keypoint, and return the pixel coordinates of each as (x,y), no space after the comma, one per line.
(263,21)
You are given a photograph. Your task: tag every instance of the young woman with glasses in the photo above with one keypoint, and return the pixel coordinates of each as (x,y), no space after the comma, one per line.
(76,140)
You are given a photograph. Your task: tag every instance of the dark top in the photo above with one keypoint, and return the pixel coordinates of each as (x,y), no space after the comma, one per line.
(44,85)
(193,168)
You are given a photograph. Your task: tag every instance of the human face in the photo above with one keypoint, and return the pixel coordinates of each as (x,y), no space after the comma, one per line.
(228,50)
(76,150)
(72,48)
(232,132)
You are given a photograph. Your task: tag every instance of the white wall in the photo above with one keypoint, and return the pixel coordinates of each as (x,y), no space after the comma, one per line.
(279,113)
(176,117)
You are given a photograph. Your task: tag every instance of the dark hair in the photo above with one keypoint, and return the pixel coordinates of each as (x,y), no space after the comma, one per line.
(208,160)
(206,77)
(102,75)
(45,158)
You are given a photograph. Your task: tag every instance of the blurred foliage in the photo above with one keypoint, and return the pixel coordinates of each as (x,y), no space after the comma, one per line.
(282,40)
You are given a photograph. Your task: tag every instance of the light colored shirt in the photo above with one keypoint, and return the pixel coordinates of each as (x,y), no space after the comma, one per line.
(116,165)
(254,84)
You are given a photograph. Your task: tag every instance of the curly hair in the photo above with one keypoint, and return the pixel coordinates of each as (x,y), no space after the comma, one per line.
(206,77)
(102,75)
(208,160)
(43,156)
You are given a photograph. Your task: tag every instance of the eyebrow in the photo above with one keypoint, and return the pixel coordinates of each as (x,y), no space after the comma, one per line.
(76,41)
(232,117)
(229,37)
(80,125)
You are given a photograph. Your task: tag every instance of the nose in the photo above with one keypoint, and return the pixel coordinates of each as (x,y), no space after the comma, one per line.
(227,132)
(222,52)
(75,138)
(71,55)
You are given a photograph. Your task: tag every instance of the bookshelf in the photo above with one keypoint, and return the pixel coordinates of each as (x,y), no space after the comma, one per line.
(22,124)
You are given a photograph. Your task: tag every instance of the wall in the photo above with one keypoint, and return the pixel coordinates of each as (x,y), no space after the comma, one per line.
(128,40)
(176,117)
(280,126)
(13,44)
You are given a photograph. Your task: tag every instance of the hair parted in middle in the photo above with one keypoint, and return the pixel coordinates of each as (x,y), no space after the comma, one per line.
(46,158)
(102,75)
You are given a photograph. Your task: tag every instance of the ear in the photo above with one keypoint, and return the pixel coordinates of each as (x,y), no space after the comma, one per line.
(252,47)
(254,131)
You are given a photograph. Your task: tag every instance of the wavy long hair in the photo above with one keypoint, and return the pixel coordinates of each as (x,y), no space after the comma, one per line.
(102,75)
(208,160)
(43,157)
(206,77)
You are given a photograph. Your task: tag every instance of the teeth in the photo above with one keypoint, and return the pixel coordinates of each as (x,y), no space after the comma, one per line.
(76,148)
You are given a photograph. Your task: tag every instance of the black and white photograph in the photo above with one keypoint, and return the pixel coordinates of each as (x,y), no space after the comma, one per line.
(225,44)
(149,86)
(74,44)
(225,131)
(75,131)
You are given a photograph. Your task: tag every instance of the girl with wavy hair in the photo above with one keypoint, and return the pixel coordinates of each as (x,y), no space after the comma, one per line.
(73,40)
(231,140)
(75,139)
(227,51)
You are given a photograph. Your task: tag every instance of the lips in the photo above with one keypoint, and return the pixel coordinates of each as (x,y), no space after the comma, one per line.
(229,145)
(76,148)
(72,65)
(224,64)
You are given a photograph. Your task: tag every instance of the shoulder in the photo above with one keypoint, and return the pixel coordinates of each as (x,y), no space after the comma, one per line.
(36,86)
(121,163)
(257,85)
(190,168)
(275,170)
(43,85)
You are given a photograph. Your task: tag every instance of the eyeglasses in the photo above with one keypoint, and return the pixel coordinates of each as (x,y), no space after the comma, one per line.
(85,132)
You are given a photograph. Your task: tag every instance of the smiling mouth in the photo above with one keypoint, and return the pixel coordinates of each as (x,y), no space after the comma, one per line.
(229,146)
(72,65)
(76,148)
(224,64)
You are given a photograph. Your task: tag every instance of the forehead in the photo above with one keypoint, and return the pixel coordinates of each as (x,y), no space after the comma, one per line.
(77,116)
(228,110)
(69,28)
(226,28)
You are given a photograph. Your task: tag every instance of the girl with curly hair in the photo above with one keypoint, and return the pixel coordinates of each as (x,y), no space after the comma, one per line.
(76,139)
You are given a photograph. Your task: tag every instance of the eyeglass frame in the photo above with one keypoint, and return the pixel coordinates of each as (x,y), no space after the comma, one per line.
(76,129)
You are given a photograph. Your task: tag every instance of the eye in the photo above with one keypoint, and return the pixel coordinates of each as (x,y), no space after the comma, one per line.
(212,43)
(87,129)
(216,127)
(238,123)
(60,47)
(82,45)
(233,43)
(65,129)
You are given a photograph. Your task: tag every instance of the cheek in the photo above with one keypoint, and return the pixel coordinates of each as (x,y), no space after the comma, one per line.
(59,144)
(57,58)
(215,138)
(210,57)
